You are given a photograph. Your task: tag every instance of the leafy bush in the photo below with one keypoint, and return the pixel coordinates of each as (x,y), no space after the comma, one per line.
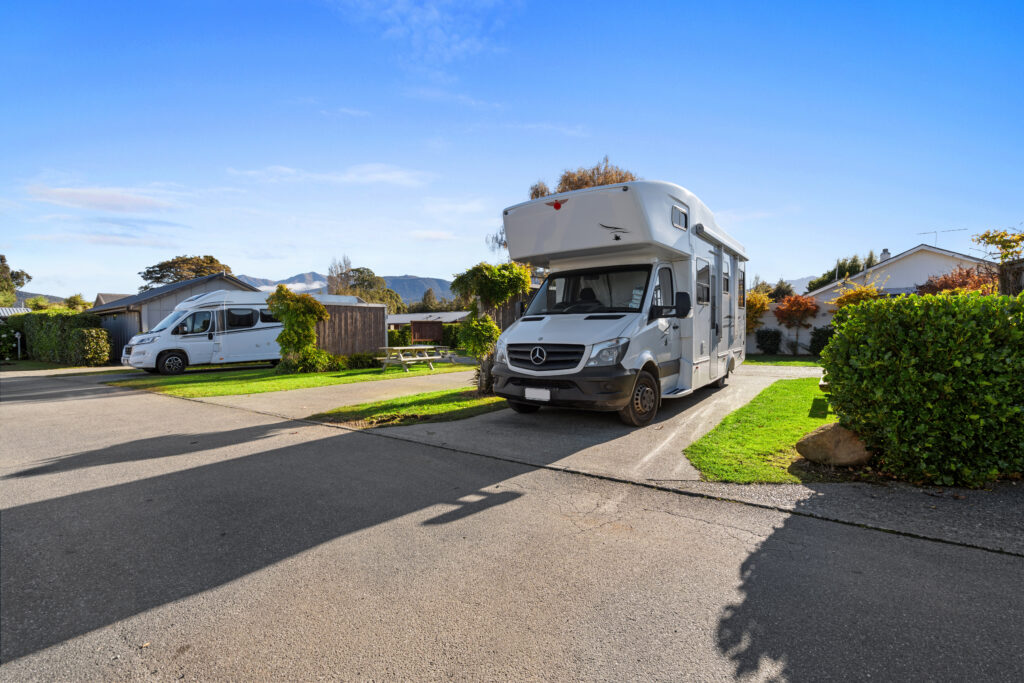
(48,334)
(478,335)
(400,337)
(308,360)
(89,346)
(850,293)
(299,314)
(358,361)
(820,336)
(757,306)
(932,384)
(450,335)
(8,342)
(768,340)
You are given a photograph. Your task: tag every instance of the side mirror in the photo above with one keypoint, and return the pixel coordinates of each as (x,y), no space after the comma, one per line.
(683,304)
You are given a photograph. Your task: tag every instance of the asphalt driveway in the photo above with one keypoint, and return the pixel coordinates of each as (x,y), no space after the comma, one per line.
(147,537)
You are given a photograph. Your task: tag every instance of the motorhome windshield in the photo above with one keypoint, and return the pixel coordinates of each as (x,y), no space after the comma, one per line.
(601,290)
(174,317)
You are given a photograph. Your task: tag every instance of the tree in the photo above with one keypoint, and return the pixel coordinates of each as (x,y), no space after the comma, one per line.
(181,268)
(793,312)
(1008,247)
(10,281)
(781,290)
(299,314)
(339,275)
(76,302)
(844,268)
(602,173)
(37,303)
(760,285)
(429,301)
(850,293)
(757,305)
(491,286)
(342,278)
(964,279)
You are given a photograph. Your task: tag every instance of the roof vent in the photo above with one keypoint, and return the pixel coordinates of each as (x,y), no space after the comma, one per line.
(884,256)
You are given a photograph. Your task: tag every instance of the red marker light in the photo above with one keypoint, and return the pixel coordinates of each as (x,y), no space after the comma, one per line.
(557,205)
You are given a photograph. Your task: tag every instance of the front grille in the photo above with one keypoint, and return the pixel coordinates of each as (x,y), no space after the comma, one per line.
(557,356)
(541,383)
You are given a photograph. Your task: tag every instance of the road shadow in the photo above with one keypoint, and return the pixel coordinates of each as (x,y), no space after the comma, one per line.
(79,562)
(849,603)
(20,390)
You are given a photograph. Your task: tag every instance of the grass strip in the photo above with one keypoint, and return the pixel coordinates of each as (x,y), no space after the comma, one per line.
(202,384)
(780,359)
(435,406)
(757,443)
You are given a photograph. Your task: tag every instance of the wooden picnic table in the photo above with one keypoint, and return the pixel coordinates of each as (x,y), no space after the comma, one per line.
(407,355)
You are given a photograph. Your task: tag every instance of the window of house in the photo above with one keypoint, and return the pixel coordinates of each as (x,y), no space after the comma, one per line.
(703,281)
(240,318)
(680,218)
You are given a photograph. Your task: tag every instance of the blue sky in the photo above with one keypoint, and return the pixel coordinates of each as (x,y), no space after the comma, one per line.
(277,135)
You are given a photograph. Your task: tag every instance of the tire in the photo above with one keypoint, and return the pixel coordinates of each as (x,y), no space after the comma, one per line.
(172,363)
(721,380)
(643,402)
(523,407)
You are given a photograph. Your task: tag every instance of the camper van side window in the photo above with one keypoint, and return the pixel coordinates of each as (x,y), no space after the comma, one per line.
(679,218)
(239,318)
(725,277)
(742,290)
(703,281)
(267,317)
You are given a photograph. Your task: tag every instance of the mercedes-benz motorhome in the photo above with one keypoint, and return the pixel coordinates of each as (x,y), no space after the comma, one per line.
(644,301)
(215,327)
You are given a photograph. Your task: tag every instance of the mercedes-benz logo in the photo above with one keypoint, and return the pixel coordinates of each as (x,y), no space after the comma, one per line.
(538,355)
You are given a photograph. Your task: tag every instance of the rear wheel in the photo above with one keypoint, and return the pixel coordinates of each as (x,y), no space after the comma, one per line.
(172,363)
(523,407)
(721,380)
(643,402)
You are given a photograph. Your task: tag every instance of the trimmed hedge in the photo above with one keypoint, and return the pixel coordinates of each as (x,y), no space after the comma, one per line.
(400,337)
(934,385)
(318,360)
(8,342)
(450,335)
(51,336)
(820,337)
(768,340)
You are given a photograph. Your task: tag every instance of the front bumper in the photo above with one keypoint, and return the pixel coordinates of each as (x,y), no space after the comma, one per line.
(604,388)
(134,357)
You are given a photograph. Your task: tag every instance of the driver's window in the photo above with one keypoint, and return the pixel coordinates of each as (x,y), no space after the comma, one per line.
(663,291)
(198,322)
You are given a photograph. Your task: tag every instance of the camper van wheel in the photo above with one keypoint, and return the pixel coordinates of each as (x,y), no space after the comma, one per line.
(172,363)
(523,407)
(721,380)
(643,404)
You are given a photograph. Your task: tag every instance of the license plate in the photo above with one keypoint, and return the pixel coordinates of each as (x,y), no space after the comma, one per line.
(534,394)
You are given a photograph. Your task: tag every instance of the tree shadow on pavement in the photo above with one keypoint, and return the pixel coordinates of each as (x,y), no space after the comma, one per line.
(841,602)
(79,562)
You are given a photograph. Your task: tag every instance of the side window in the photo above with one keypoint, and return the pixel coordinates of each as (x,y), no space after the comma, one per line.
(664,293)
(198,322)
(266,317)
(742,289)
(703,281)
(240,318)
(725,276)
(679,218)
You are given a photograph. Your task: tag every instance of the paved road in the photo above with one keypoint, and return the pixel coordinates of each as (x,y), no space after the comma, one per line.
(146,537)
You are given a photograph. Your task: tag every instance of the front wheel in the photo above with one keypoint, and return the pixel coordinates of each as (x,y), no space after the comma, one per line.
(523,407)
(643,402)
(172,363)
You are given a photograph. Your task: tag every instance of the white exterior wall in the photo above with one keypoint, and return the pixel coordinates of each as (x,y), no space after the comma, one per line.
(157,309)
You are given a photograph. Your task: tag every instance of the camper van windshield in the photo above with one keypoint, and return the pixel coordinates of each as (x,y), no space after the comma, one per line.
(601,290)
(168,321)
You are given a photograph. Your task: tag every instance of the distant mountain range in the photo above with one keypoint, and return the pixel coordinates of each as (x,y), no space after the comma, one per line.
(24,296)
(409,287)
(800,285)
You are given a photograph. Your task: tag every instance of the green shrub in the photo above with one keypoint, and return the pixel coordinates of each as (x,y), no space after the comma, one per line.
(89,346)
(450,335)
(400,337)
(8,342)
(768,340)
(299,314)
(819,338)
(48,334)
(309,360)
(358,361)
(933,384)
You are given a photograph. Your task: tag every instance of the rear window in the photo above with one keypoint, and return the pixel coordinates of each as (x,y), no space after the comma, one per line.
(267,317)
(239,318)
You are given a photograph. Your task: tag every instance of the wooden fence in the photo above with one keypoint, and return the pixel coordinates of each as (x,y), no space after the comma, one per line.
(353,329)
(508,312)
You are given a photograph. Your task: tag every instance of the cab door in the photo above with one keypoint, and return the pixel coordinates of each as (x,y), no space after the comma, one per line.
(195,337)
(667,347)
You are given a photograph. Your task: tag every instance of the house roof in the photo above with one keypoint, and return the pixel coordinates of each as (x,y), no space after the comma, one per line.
(904,254)
(436,316)
(8,312)
(106,298)
(158,292)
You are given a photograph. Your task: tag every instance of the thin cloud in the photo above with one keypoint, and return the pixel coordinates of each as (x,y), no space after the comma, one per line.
(104,239)
(364,174)
(98,198)
(432,235)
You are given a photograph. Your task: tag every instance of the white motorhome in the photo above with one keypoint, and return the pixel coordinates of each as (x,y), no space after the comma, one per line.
(215,327)
(644,301)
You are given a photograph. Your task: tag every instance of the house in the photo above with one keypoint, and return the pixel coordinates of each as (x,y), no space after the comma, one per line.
(107,298)
(397,320)
(129,315)
(893,275)
(6,313)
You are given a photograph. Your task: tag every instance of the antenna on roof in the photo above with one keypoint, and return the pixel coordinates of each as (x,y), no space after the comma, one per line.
(936,233)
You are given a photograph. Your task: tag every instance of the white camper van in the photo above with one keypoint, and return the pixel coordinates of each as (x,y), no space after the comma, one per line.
(644,301)
(215,327)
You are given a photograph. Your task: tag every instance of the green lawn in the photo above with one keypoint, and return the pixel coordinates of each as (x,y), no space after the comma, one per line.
(757,443)
(436,406)
(200,384)
(780,359)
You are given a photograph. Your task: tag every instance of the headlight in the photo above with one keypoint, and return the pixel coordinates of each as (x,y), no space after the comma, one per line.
(143,340)
(500,355)
(608,352)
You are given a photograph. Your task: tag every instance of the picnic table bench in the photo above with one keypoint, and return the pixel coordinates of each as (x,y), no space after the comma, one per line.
(406,355)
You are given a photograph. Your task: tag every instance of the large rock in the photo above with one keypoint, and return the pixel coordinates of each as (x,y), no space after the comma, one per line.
(832,444)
